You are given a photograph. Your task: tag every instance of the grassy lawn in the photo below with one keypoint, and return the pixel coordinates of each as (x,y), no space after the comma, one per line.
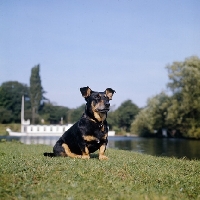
(26,174)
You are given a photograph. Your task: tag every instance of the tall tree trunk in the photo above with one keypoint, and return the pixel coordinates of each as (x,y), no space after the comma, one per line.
(33,115)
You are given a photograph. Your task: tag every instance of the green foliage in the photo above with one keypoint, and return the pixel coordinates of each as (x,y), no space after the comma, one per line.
(180,111)
(142,125)
(125,115)
(75,114)
(10,101)
(185,85)
(112,121)
(152,117)
(36,91)
(5,115)
(122,118)
(26,174)
(52,114)
(194,132)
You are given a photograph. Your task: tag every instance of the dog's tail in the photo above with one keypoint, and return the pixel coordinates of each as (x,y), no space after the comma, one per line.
(49,154)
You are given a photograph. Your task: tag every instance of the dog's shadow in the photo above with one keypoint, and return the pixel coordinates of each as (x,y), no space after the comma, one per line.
(94,156)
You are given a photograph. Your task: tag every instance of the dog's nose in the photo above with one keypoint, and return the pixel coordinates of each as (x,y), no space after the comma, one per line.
(107,104)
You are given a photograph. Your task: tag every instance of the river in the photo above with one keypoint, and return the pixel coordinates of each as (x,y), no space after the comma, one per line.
(170,147)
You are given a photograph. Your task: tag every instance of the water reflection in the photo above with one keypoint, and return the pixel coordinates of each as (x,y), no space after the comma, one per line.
(170,147)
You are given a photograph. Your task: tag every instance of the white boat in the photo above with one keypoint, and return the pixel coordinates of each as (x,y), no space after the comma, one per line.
(45,130)
(40,130)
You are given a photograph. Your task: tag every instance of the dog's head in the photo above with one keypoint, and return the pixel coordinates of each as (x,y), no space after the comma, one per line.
(97,102)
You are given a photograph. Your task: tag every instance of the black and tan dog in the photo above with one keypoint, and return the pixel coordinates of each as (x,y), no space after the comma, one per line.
(90,132)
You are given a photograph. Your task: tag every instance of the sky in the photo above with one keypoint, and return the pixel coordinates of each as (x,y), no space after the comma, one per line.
(120,44)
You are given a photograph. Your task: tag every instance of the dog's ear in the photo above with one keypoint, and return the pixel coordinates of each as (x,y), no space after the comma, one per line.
(109,93)
(85,91)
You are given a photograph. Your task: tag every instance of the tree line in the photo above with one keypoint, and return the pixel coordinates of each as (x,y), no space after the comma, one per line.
(41,110)
(177,110)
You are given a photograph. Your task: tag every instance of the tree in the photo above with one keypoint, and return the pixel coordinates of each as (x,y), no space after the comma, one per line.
(152,117)
(5,116)
(112,121)
(36,91)
(11,93)
(181,110)
(125,114)
(143,123)
(185,85)
(75,114)
(52,114)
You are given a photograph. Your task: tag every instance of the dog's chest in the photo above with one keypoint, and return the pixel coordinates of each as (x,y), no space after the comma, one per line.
(96,137)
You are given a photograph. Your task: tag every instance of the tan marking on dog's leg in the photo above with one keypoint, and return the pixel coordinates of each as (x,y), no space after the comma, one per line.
(69,153)
(101,152)
(86,154)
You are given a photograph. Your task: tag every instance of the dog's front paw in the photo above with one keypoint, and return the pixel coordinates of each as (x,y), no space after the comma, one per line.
(85,156)
(103,157)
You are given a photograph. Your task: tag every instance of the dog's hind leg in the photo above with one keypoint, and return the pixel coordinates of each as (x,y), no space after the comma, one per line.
(69,153)
(85,154)
(101,152)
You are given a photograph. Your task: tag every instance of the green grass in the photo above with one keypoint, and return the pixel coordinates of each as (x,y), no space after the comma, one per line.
(26,174)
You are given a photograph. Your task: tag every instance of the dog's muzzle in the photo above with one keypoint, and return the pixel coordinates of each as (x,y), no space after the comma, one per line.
(103,110)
